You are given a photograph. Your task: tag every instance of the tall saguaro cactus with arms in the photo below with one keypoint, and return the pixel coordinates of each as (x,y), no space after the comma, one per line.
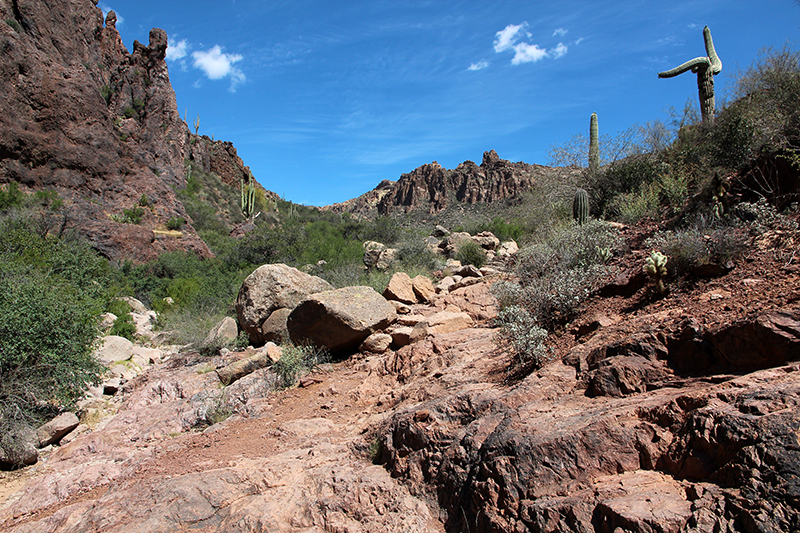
(705,68)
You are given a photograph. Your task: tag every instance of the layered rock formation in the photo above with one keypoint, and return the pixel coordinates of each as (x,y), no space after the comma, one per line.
(433,188)
(99,125)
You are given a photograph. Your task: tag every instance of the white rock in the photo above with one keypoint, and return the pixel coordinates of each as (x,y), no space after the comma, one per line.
(114,349)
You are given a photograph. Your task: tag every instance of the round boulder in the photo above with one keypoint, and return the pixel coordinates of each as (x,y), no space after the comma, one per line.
(340,320)
(269,288)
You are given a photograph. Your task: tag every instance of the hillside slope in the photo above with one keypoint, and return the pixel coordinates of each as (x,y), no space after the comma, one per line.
(99,125)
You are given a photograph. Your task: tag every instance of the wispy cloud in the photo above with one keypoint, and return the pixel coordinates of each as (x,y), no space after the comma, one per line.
(559,51)
(514,37)
(217,64)
(480,65)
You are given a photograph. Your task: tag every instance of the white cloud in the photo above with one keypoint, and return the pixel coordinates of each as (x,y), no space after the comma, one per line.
(217,65)
(507,37)
(480,65)
(527,53)
(177,50)
(559,51)
(510,38)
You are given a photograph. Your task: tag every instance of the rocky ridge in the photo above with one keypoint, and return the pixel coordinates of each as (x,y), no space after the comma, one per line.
(433,188)
(99,125)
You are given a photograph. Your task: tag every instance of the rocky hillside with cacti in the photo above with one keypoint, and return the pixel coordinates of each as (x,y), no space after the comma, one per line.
(97,124)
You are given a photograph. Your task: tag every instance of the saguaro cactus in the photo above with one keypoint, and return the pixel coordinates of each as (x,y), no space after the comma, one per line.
(580,207)
(197,124)
(594,145)
(705,68)
(248,204)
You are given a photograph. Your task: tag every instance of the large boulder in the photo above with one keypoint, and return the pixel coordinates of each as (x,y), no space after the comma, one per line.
(223,333)
(340,320)
(114,349)
(19,446)
(401,289)
(269,288)
(52,431)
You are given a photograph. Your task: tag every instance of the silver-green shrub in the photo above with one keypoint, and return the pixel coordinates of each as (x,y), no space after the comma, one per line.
(519,334)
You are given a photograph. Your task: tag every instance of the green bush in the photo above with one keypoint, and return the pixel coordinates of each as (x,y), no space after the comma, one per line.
(174,224)
(123,325)
(52,292)
(471,253)
(11,196)
(296,361)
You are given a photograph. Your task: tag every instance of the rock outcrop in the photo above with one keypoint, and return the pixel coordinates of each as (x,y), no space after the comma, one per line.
(433,188)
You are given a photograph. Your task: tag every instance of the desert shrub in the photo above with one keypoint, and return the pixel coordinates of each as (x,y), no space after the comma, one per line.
(11,196)
(123,325)
(632,207)
(296,361)
(190,326)
(761,216)
(383,229)
(576,245)
(218,411)
(413,253)
(471,253)
(174,224)
(685,248)
(52,292)
(554,298)
(520,334)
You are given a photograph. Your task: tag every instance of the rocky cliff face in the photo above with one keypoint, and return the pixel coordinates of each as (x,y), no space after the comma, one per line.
(433,188)
(99,125)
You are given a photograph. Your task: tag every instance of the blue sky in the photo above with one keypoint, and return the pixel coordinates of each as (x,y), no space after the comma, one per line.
(324,99)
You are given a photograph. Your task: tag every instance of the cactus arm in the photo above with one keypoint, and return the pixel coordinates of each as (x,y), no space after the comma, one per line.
(714,60)
(693,65)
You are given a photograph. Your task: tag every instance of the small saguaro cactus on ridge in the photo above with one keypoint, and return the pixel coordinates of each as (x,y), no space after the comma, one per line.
(705,68)
(594,146)
(197,124)
(580,207)
(248,202)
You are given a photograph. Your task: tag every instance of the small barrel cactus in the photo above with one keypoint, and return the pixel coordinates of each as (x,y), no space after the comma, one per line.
(580,206)
(656,266)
